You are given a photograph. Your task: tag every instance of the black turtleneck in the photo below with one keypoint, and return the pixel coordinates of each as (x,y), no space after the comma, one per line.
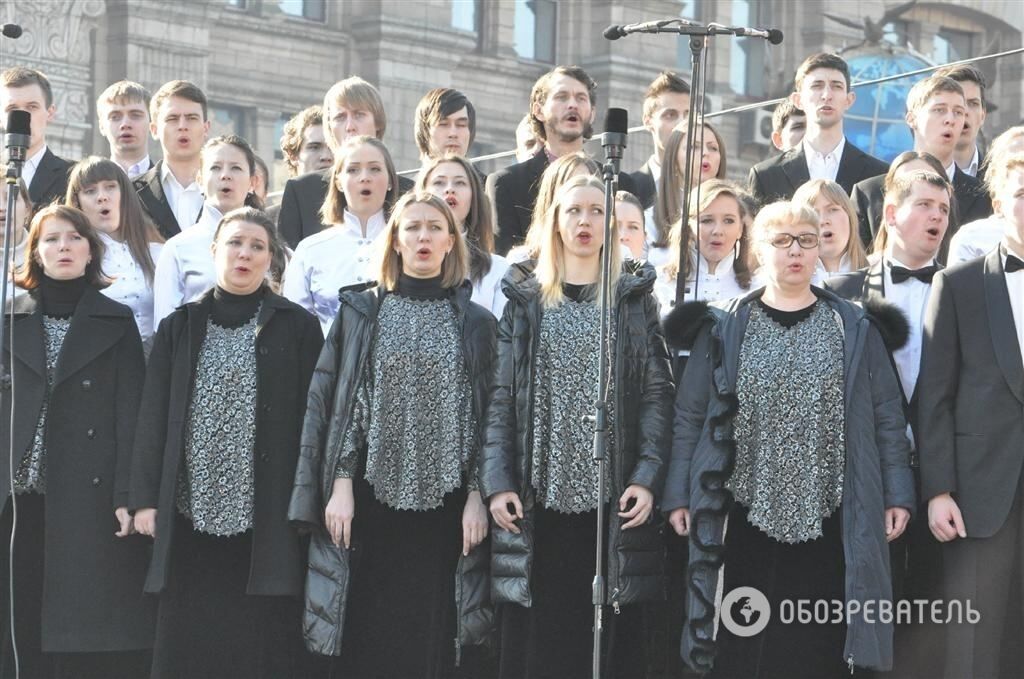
(233,311)
(580,293)
(59,298)
(421,288)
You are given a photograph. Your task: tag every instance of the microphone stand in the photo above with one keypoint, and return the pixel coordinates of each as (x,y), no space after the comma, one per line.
(11,178)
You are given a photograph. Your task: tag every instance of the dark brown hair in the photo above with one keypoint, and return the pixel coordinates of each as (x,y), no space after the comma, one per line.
(24,77)
(667,81)
(182,89)
(541,89)
(435,105)
(822,60)
(963,73)
(251,199)
(669,204)
(30,273)
(278,248)
(294,129)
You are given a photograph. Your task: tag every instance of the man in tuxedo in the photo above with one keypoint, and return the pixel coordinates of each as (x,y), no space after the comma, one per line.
(352,108)
(46,175)
(972,402)
(936,111)
(169,192)
(123,113)
(823,93)
(666,103)
(788,126)
(967,155)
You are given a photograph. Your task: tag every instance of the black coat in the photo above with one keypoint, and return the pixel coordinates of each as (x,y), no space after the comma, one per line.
(779,177)
(50,182)
(92,597)
(643,427)
(150,190)
(299,212)
(331,395)
(646,189)
(288,341)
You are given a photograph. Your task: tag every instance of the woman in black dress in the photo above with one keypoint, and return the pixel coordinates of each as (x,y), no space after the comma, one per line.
(215,456)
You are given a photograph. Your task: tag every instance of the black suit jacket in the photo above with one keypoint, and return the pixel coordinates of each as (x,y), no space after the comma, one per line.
(972,394)
(779,177)
(50,182)
(513,192)
(299,214)
(646,187)
(151,192)
(971,202)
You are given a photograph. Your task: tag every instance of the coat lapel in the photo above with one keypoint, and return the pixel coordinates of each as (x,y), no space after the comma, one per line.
(29,339)
(874,282)
(158,206)
(849,166)
(46,174)
(1000,322)
(795,168)
(96,326)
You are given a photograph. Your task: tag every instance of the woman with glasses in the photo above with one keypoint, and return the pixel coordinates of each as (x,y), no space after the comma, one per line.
(790,468)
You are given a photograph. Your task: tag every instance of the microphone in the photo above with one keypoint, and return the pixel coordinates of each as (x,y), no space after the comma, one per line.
(614,32)
(772,35)
(11,31)
(18,135)
(616,131)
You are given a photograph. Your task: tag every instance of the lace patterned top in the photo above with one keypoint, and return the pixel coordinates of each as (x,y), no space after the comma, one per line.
(790,427)
(414,408)
(31,473)
(215,483)
(562,467)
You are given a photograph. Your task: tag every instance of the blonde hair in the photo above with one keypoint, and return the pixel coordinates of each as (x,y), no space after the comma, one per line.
(333,209)
(555,175)
(454,269)
(999,151)
(834,193)
(354,93)
(550,269)
(781,213)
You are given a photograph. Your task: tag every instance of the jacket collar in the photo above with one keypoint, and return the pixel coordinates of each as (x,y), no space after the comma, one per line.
(1000,321)
(521,283)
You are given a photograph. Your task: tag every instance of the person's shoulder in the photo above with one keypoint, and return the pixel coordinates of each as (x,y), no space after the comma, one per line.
(775,162)
(144,179)
(315,180)
(317,239)
(870,185)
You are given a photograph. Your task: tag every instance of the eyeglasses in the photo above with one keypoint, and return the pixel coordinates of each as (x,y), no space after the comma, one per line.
(806,241)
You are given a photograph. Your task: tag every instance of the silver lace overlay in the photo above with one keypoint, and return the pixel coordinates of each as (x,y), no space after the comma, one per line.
(790,428)
(215,484)
(563,471)
(414,408)
(31,474)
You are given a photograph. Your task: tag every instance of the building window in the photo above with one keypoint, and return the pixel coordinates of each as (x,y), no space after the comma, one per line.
(690,12)
(950,45)
(314,10)
(535,30)
(466,15)
(897,32)
(238,4)
(226,119)
(746,55)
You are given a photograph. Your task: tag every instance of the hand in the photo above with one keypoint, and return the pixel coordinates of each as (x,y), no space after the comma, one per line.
(474,522)
(340,510)
(145,521)
(679,519)
(642,507)
(124,519)
(896,519)
(944,518)
(499,510)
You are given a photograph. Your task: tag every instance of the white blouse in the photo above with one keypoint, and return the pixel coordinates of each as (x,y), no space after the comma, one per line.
(325,262)
(129,286)
(711,287)
(185,269)
(976,239)
(487,293)
(821,275)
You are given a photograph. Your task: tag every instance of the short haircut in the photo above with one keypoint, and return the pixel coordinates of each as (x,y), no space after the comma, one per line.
(294,131)
(436,104)
(667,81)
(454,268)
(822,60)
(782,113)
(20,76)
(904,158)
(182,89)
(333,209)
(355,93)
(541,89)
(30,274)
(278,248)
(902,186)
(123,92)
(924,90)
(783,213)
(963,73)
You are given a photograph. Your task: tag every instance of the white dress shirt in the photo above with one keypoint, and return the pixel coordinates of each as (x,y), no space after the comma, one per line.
(821,274)
(185,268)
(951,171)
(129,286)
(28,170)
(327,261)
(972,167)
(911,296)
(976,239)
(1015,288)
(823,165)
(487,293)
(139,168)
(185,201)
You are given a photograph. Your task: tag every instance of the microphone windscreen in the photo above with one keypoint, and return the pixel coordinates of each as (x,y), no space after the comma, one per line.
(613,32)
(19,122)
(616,120)
(12,31)
(774,36)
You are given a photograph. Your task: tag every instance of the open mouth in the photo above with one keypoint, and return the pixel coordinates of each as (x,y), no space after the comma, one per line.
(105,212)
(452,201)
(226,191)
(933,232)
(366,193)
(572,118)
(705,167)
(584,238)
(423,253)
(826,235)
(184,141)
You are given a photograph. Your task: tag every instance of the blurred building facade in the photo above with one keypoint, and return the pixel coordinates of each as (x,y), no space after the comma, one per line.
(260,61)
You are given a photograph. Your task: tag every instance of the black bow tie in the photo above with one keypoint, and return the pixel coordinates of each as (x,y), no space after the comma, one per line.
(1013,263)
(900,274)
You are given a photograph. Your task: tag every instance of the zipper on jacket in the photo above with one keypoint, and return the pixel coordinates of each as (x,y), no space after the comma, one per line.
(849,661)
(615,601)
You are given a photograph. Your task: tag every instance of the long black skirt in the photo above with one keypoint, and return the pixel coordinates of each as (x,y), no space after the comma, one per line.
(29,558)
(554,637)
(207,626)
(813,571)
(400,617)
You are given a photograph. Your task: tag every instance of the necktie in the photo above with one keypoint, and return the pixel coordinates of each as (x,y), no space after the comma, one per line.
(1013,263)
(901,274)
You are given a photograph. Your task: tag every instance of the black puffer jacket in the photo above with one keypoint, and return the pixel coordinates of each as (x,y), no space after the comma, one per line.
(642,421)
(329,407)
